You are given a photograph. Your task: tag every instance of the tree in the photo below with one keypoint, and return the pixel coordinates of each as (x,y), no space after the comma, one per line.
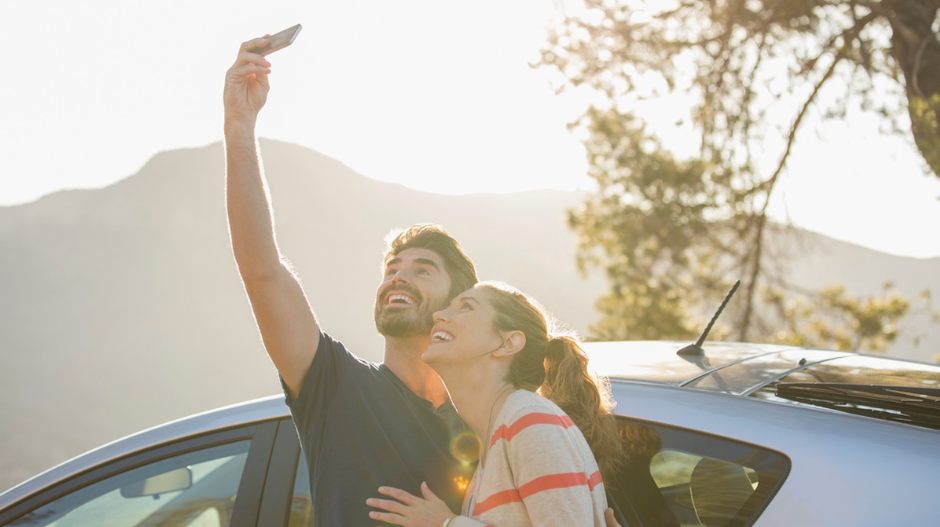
(832,319)
(671,232)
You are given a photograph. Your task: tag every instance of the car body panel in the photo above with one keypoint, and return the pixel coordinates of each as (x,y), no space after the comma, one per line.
(831,454)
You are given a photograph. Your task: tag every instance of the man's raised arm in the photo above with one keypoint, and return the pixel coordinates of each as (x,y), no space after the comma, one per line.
(288,326)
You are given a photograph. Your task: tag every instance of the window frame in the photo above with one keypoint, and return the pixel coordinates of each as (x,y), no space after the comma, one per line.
(275,507)
(250,488)
(717,447)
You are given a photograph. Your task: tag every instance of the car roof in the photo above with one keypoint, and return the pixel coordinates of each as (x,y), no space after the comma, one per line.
(741,368)
(872,386)
(233,416)
(657,361)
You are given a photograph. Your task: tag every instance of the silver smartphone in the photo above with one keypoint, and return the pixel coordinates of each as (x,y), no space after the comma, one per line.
(279,40)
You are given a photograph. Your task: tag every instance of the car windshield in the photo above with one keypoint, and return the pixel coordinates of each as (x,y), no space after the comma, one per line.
(916,406)
(877,387)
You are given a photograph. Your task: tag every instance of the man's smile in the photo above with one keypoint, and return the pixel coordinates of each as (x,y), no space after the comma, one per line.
(401,295)
(399,298)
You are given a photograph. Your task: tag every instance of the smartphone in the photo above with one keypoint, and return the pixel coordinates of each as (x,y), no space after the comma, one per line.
(279,40)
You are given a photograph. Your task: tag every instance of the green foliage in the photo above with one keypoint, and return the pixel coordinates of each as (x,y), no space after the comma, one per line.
(738,59)
(833,319)
(925,115)
(647,224)
(671,234)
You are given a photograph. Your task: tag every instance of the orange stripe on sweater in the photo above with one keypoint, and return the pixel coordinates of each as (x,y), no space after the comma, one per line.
(527,420)
(595,480)
(495,500)
(540,484)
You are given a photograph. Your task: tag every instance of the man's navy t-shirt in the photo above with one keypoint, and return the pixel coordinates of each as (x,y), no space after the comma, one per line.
(361,427)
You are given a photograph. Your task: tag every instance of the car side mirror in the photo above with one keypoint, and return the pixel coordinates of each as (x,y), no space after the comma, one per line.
(179,479)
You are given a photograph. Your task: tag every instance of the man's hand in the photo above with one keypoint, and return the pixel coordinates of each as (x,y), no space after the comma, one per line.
(246,84)
(609,517)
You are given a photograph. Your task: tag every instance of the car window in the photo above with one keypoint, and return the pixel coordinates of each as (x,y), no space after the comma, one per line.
(683,478)
(301,505)
(195,489)
(702,490)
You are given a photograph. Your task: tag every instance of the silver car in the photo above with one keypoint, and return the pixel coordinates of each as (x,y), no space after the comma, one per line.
(732,435)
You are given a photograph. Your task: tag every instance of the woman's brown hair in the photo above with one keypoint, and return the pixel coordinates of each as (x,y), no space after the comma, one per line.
(556,367)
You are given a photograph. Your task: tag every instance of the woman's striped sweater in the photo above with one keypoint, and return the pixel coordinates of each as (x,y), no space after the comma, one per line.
(539,471)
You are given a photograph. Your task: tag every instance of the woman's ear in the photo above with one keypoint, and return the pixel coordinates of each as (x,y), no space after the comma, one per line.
(513,342)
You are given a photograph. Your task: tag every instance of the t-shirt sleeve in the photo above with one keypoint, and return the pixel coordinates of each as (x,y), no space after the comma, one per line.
(546,459)
(330,364)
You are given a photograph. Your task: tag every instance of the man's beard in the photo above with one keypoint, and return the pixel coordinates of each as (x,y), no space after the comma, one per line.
(405,323)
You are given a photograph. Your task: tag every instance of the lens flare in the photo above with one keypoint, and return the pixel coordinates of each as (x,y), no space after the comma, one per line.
(465,448)
(462,483)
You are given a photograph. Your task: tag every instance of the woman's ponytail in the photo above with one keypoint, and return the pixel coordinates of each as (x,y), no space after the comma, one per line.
(567,382)
(585,398)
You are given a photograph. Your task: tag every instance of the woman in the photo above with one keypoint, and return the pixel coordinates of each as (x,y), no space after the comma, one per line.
(493,349)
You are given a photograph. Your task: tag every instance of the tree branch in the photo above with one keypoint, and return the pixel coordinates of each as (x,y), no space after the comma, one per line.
(769,186)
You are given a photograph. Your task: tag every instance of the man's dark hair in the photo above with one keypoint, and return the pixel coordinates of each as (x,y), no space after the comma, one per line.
(459,266)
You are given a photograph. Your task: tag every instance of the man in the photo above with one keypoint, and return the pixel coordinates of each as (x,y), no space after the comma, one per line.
(361,425)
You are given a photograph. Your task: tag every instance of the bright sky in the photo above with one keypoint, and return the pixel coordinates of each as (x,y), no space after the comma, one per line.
(433,94)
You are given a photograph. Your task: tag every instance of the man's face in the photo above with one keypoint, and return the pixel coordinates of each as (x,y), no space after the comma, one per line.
(415,285)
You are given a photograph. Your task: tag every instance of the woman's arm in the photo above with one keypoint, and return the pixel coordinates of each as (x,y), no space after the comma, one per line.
(412,511)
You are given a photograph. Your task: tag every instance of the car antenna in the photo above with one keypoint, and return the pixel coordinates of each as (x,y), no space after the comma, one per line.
(696,347)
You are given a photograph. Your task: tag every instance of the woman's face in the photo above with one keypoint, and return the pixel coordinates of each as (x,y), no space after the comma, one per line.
(464,331)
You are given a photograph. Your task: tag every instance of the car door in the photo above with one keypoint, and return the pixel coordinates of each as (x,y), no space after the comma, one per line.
(286,501)
(211,480)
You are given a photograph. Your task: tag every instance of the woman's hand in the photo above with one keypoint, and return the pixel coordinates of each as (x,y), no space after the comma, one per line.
(408,510)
